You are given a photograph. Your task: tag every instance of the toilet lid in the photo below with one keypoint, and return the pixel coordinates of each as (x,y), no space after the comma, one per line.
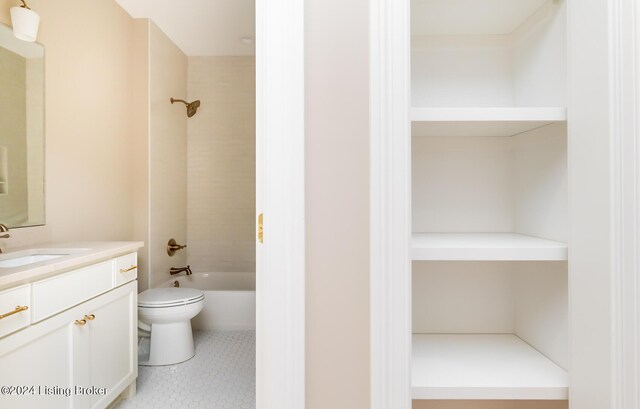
(169,296)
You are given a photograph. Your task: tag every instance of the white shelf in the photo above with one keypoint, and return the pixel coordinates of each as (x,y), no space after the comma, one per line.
(483,367)
(471,17)
(508,121)
(485,246)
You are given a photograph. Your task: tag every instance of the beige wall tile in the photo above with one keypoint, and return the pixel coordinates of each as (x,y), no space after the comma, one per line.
(167,155)
(221,164)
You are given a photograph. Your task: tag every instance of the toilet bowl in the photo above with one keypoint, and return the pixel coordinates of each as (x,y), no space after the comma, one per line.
(164,316)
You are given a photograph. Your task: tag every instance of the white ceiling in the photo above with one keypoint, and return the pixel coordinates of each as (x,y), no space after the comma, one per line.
(201,27)
(470,17)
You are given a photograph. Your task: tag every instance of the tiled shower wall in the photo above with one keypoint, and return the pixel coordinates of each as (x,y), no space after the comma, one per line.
(221,165)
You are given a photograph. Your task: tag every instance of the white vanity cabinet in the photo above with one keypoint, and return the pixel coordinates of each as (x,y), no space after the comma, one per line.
(78,357)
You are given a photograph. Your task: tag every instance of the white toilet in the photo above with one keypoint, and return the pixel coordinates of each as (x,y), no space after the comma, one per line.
(164,316)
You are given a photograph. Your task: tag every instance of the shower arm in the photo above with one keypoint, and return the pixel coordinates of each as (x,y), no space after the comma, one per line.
(179,100)
(192,107)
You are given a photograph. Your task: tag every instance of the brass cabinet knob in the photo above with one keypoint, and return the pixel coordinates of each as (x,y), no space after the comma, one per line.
(81,322)
(126,270)
(90,317)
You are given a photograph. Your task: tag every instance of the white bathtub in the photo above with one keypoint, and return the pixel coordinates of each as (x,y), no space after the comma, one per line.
(229,299)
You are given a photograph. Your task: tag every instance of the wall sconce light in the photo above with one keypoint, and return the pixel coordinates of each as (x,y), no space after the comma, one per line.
(25,22)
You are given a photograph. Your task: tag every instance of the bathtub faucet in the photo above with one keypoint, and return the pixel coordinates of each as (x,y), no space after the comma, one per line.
(176,270)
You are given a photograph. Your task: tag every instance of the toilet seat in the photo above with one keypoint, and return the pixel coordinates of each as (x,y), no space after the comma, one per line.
(169,297)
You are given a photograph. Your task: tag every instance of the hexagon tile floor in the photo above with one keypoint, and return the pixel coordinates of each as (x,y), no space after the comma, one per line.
(220,376)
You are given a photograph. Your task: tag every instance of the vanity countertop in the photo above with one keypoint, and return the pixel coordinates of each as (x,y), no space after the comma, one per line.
(69,255)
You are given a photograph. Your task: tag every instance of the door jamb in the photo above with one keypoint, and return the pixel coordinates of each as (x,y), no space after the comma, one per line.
(280,260)
(390,205)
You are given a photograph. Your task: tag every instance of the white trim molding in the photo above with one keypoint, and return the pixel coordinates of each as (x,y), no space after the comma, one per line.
(624,41)
(390,208)
(280,272)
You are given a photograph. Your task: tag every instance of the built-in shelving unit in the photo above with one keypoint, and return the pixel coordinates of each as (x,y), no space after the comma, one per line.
(483,121)
(485,366)
(490,210)
(485,246)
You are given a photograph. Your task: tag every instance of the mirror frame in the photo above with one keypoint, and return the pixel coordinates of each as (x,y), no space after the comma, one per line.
(21,47)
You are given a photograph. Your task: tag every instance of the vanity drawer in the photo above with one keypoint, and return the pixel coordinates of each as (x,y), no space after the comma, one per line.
(14,309)
(126,268)
(58,293)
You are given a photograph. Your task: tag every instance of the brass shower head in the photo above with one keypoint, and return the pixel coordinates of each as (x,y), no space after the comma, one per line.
(192,107)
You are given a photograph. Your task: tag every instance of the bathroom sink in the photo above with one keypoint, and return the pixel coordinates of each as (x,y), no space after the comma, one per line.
(28,259)
(31,256)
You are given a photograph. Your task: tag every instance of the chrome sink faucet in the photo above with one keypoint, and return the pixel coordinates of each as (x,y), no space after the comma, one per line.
(176,270)
(4,229)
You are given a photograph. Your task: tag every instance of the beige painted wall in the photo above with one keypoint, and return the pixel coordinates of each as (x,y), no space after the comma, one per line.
(89,121)
(337,204)
(99,118)
(221,164)
(140,145)
(167,154)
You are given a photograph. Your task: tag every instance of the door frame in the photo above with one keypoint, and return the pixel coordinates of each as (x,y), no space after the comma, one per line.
(390,204)
(280,194)
(390,224)
(624,41)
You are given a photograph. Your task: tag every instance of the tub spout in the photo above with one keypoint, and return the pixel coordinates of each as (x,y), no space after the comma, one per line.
(177,270)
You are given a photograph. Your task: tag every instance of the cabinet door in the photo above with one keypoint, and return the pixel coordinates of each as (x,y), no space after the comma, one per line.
(113,355)
(36,364)
(62,362)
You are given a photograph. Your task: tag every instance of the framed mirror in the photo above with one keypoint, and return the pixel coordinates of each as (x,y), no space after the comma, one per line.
(21,131)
